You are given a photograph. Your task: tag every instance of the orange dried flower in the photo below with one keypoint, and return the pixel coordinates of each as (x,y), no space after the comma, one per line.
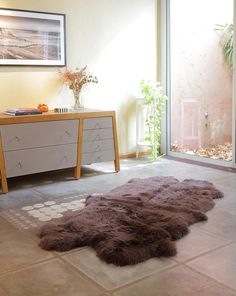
(77,79)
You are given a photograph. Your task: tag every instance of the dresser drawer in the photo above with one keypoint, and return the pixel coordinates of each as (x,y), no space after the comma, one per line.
(97,123)
(39,134)
(29,161)
(100,156)
(97,135)
(98,146)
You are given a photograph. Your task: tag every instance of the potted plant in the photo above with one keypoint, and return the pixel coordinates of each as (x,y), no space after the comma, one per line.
(154,100)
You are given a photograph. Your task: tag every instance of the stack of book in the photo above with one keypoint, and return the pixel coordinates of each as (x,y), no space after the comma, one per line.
(23,111)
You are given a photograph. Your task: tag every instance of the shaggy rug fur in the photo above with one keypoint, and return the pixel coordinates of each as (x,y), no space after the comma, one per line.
(134,222)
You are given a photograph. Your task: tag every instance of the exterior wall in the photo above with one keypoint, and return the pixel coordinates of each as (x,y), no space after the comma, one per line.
(201,80)
(117,39)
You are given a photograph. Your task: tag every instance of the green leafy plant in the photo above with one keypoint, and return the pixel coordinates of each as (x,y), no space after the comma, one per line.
(154,99)
(227,42)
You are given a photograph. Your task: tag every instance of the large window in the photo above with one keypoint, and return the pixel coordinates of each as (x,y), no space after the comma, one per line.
(201,98)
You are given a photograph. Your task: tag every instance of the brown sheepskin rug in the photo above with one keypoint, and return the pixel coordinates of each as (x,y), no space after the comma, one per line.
(134,222)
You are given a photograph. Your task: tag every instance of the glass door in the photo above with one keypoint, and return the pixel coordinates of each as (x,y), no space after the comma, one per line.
(201,80)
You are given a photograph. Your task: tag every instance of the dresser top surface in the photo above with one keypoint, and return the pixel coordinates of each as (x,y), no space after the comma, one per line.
(51,116)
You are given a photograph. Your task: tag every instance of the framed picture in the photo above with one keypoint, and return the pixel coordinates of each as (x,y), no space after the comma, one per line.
(30,38)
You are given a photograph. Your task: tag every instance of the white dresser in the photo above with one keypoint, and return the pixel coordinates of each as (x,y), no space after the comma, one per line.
(98,140)
(51,141)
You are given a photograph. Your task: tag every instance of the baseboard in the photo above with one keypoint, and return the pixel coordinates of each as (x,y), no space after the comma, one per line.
(203,164)
(134,154)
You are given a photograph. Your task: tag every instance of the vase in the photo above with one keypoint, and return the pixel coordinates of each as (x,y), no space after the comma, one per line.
(77,105)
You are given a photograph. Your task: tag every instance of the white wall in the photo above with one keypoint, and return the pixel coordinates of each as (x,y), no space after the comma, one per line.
(115,38)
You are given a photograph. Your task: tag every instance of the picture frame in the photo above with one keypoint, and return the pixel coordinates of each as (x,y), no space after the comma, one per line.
(32,38)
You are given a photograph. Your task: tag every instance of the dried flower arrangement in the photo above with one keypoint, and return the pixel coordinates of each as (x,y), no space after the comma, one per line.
(76,80)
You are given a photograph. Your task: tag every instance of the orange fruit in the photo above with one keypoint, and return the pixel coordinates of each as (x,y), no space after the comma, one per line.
(43,107)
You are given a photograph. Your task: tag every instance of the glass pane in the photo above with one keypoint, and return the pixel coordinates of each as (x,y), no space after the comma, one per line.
(201,77)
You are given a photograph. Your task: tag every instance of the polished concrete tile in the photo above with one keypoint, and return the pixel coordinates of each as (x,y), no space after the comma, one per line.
(63,188)
(210,175)
(49,279)
(228,203)
(183,171)
(15,198)
(18,250)
(228,191)
(27,270)
(219,264)
(97,184)
(197,242)
(5,226)
(177,281)
(2,293)
(229,208)
(215,290)
(110,276)
(221,223)
(228,182)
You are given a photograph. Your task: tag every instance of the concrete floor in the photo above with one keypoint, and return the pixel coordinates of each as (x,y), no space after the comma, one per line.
(205,264)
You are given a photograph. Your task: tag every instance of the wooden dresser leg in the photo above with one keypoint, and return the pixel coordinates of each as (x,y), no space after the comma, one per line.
(4,185)
(117,159)
(3,170)
(79,151)
(117,166)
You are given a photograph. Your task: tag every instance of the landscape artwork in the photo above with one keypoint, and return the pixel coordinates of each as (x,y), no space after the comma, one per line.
(32,38)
